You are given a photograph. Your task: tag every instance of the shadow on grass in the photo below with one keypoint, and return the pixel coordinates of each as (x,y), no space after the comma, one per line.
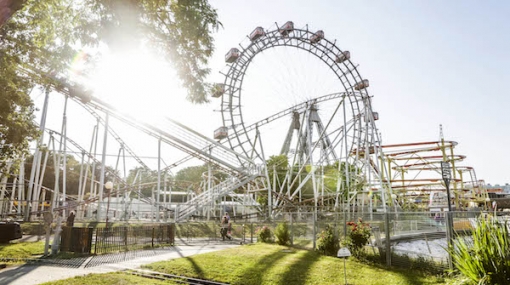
(297,272)
(254,274)
(196,268)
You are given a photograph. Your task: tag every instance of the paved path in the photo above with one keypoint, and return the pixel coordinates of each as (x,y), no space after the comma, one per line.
(62,269)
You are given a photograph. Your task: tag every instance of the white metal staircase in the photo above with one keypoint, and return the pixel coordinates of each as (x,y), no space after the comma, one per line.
(220,190)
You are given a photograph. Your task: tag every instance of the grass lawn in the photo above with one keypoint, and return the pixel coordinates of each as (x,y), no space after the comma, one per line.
(20,250)
(271,264)
(116,278)
(268,264)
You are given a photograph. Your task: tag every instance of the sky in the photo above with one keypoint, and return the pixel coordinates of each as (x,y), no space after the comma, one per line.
(428,62)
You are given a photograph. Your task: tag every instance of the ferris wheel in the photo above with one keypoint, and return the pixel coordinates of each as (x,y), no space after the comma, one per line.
(321,127)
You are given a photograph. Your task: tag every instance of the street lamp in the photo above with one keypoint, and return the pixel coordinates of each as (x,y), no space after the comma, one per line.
(108,186)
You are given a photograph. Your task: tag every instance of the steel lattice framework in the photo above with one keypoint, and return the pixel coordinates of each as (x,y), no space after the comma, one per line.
(357,136)
(325,50)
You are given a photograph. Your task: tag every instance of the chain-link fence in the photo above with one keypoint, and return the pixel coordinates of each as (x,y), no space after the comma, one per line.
(404,239)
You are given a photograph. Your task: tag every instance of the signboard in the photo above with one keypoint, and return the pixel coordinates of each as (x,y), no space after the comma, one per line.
(438,200)
(343,252)
(446,170)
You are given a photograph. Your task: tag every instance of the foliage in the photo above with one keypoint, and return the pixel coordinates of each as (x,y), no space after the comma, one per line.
(343,176)
(358,236)
(264,234)
(17,125)
(328,243)
(197,174)
(282,234)
(486,258)
(277,168)
(73,168)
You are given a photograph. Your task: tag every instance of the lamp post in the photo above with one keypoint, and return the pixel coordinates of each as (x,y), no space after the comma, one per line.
(108,186)
(447,175)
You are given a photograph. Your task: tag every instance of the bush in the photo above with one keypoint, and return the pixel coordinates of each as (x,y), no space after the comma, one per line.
(282,234)
(485,259)
(358,237)
(264,234)
(328,243)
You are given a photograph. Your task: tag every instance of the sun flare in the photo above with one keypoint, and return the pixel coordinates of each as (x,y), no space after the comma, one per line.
(137,83)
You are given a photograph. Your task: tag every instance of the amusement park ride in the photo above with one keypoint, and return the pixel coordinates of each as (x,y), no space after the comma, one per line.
(334,160)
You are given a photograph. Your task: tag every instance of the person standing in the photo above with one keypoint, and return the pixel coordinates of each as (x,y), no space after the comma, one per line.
(70,219)
(224,227)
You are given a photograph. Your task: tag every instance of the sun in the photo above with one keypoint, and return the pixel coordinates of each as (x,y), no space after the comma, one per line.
(138,83)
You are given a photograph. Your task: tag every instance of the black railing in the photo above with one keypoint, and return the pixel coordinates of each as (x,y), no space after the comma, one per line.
(115,239)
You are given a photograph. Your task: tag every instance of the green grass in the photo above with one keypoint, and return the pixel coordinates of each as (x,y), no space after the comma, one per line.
(117,278)
(268,264)
(21,250)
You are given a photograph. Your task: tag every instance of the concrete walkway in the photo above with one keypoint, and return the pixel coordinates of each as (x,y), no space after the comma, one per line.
(53,270)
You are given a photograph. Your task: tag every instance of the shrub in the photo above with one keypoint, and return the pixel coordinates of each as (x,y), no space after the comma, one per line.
(328,243)
(282,234)
(485,259)
(264,234)
(358,236)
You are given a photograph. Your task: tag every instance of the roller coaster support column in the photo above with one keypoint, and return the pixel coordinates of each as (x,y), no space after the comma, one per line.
(36,159)
(64,170)
(103,161)
(159,180)
(209,173)
(455,188)
(269,187)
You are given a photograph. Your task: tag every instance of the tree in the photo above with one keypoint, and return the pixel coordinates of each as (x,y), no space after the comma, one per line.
(72,174)
(38,44)
(353,182)
(9,7)
(16,112)
(195,174)
(277,165)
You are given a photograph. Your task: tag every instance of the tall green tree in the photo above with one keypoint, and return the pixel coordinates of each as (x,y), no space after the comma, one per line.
(39,41)
(344,175)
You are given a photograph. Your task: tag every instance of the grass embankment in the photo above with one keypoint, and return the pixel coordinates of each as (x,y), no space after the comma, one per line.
(15,252)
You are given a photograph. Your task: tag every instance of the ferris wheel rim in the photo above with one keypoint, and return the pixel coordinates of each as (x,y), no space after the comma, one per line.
(326,51)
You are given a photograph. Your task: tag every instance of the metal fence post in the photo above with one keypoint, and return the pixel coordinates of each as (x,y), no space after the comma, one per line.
(449,237)
(95,244)
(291,230)
(314,231)
(387,239)
(153,237)
(251,232)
